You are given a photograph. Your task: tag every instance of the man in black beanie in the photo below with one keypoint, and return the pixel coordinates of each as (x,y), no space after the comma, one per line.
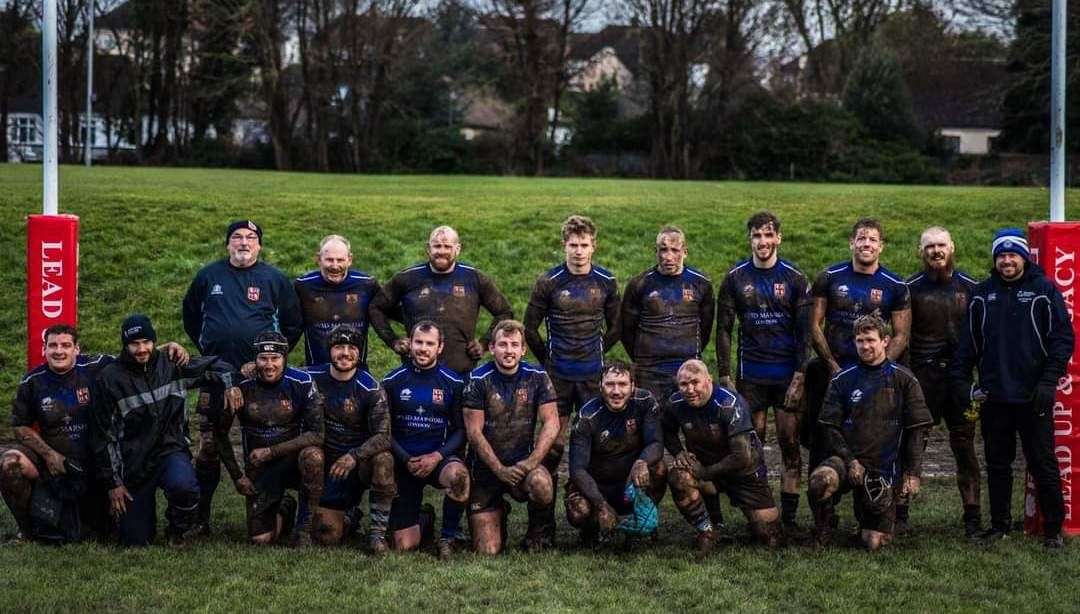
(229,302)
(139,432)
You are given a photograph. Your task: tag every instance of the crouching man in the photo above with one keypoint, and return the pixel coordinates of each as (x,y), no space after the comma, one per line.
(281,419)
(722,453)
(874,419)
(357,446)
(616,441)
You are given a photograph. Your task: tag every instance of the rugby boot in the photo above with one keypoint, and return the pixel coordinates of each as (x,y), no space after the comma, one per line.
(705,541)
(378,545)
(1054,542)
(824,524)
(444,549)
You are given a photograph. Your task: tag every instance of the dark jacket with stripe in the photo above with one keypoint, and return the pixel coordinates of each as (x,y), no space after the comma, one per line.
(138,414)
(1016,334)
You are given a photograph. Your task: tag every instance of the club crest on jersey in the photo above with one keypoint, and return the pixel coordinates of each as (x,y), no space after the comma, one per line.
(286,404)
(604,434)
(856,395)
(425,291)
(747,291)
(405,395)
(83,395)
(253,293)
(522,395)
(875,295)
(779,290)
(688,295)
(437,396)
(459,290)
(348,406)
(631,425)
(352,299)
(47,404)
(961,300)
(594,292)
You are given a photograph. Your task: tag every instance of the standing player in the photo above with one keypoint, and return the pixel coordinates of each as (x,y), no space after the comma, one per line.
(228,303)
(334,295)
(445,291)
(503,401)
(356,448)
(51,419)
(282,424)
(939,300)
(579,301)
(722,453)
(843,293)
(616,441)
(139,433)
(873,423)
(427,439)
(771,299)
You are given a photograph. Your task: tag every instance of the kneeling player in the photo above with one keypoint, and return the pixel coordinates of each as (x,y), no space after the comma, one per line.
(427,435)
(722,453)
(357,446)
(282,424)
(873,420)
(616,441)
(502,402)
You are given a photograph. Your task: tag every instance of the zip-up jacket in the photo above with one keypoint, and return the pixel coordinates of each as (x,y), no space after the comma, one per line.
(1016,334)
(138,413)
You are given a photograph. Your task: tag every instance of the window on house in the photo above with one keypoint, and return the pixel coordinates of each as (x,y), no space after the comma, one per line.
(24,130)
(952,143)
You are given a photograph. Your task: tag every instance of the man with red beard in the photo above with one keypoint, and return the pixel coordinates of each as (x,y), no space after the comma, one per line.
(939,300)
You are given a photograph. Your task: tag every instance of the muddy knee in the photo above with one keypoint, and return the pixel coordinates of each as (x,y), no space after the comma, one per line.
(539,486)
(457,482)
(824,481)
(382,474)
(578,510)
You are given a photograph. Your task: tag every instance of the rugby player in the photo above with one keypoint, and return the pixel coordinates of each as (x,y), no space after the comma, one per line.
(51,419)
(229,302)
(445,291)
(428,438)
(939,298)
(356,446)
(616,441)
(579,302)
(770,297)
(1018,335)
(331,296)
(281,419)
(139,433)
(842,293)
(502,403)
(722,453)
(666,318)
(873,423)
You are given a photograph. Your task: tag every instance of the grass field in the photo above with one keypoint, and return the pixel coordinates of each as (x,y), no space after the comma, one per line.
(145,232)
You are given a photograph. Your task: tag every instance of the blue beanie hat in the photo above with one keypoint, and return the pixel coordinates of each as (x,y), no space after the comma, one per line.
(1010,240)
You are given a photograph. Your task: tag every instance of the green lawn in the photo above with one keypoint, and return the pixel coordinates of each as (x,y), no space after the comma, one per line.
(145,232)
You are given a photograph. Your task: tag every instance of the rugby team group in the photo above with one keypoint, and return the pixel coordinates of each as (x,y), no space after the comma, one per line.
(857,366)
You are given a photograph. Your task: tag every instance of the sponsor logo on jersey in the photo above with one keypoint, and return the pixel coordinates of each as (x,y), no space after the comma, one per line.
(405,395)
(459,290)
(654,294)
(747,291)
(437,396)
(348,407)
(875,295)
(216,290)
(420,410)
(856,395)
(564,294)
(47,404)
(83,395)
(842,290)
(779,290)
(991,297)
(253,294)
(425,291)
(688,295)
(352,299)
(604,434)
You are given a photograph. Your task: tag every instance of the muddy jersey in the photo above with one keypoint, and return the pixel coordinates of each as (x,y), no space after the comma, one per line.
(708,430)
(851,295)
(667,319)
(576,309)
(511,406)
(58,406)
(606,443)
(425,411)
(451,300)
(938,308)
(873,406)
(354,411)
(771,306)
(325,305)
(277,413)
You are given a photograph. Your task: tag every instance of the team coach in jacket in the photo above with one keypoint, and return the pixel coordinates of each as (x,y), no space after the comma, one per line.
(1018,335)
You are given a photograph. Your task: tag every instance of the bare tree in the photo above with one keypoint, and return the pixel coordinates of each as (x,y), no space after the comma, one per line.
(17,60)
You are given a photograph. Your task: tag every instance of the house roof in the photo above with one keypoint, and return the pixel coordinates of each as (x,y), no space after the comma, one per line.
(625,41)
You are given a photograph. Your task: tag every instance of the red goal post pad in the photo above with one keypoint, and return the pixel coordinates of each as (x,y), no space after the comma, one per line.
(1056,247)
(52,279)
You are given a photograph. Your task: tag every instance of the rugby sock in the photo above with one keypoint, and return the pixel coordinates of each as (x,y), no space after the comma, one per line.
(712,504)
(789,507)
(902,511)
(698,516)
(451,518)
(380,514)
(208,476)
(972,512)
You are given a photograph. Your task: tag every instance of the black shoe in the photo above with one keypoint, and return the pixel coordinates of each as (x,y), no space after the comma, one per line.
(902,528)
(972,527)
(991,536)
(1056,542)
